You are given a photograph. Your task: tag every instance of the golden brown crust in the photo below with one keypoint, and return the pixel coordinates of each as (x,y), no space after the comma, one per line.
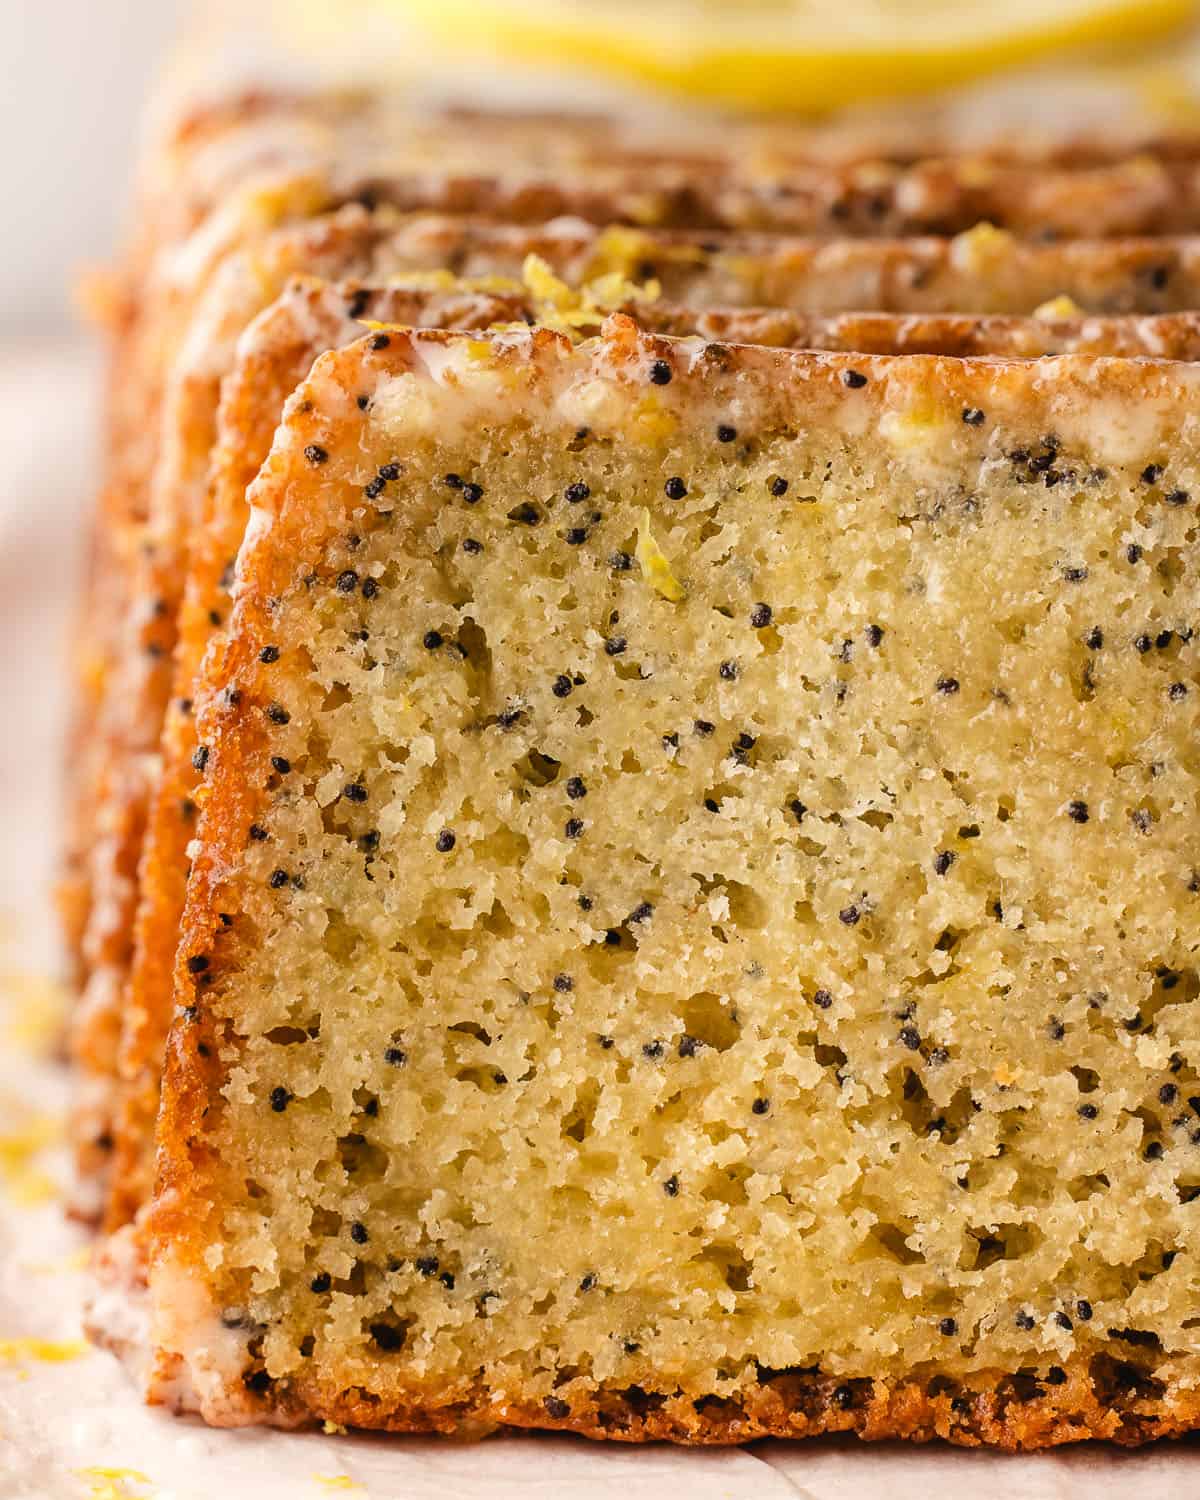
(1103,1396)
(1101,127)
(1107,1398)
(983,271)
(1138,197)
(958,335)
(892,136)
(132,605)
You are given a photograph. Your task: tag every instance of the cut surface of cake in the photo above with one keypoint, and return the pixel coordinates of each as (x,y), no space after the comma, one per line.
(691,930)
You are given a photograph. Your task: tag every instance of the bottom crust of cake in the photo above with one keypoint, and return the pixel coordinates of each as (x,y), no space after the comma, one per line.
(1120,1401)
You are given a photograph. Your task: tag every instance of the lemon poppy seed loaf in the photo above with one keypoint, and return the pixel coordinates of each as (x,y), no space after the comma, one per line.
(691,923)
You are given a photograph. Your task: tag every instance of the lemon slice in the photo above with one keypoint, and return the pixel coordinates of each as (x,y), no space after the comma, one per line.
(798,55)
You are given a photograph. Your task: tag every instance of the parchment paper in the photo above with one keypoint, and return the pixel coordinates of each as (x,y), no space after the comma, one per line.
(67,1413)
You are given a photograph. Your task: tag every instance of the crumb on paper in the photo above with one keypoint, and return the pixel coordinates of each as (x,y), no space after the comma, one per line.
(342,1483)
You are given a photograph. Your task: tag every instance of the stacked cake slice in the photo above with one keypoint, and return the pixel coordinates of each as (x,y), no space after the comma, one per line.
(633,830)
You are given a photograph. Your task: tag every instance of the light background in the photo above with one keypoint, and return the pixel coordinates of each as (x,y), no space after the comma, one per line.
(73,75)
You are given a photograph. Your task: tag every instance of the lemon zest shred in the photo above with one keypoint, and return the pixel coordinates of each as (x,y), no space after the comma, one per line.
(651,421)
(45,1351)
(908,430)
(656,569)
(442,280)
(622,249)
(270,204)
(574,311)
(112,1484)
(35,1008)
(980,249)
(1057,307)
(341,1482)
(24,1182)
(570,310)
(612,290)
(543,284)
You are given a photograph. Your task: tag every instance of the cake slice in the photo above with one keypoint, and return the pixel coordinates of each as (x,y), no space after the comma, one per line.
(130,606)
(525,181)
(692,924)
(505,163)
(186,118)
(274,355)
